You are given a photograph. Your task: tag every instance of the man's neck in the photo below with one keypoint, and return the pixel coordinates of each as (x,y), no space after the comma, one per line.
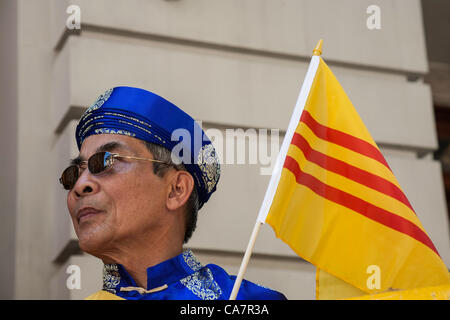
(137,261)
(137,266)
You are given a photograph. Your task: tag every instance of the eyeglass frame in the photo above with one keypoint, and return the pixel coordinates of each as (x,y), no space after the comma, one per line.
(113,156)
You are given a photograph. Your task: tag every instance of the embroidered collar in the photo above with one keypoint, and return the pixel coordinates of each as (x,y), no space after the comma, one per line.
(185,264)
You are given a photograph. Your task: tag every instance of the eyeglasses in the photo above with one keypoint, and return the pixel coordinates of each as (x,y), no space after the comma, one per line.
(99,162)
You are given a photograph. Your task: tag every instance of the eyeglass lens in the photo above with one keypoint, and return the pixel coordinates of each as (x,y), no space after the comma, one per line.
(97,163)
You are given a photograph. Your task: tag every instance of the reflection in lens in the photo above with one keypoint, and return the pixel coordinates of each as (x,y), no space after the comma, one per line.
(96,162)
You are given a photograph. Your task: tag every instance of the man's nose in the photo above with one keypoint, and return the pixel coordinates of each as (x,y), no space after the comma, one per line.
(86,184)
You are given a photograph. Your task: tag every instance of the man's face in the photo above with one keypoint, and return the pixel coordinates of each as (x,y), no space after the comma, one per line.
(121,205)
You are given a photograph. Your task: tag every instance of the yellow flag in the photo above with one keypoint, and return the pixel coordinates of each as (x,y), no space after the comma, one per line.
(339,206)
(429,293)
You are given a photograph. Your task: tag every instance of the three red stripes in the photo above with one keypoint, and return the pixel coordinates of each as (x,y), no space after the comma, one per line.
(343,198)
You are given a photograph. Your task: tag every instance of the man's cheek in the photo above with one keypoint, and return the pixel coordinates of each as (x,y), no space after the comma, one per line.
(70,206)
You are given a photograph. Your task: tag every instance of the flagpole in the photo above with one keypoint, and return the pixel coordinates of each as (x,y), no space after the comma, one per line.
(276,173)
(245,260)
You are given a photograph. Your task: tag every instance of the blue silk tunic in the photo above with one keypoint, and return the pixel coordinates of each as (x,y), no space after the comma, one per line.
(182,278)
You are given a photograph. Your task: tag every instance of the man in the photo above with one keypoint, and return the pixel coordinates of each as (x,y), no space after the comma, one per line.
(134,205)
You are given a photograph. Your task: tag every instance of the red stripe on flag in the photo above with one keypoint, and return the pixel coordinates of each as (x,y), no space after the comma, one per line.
(343,139)
(349,171)
(358,205)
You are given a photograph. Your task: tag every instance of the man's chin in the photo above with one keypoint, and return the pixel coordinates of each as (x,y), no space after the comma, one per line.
(92,235)
(92,244)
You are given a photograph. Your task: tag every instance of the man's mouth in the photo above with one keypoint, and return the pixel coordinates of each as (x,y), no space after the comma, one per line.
(86,213)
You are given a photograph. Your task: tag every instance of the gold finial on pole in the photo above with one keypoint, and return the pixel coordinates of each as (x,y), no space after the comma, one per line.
(318,49)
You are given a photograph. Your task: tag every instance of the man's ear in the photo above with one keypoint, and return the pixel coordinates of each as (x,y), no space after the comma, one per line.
(180,188)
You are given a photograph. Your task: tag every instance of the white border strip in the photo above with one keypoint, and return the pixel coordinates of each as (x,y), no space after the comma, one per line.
(295,119)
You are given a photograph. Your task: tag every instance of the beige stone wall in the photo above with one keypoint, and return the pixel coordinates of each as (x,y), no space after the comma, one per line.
(231,64)
(8,144)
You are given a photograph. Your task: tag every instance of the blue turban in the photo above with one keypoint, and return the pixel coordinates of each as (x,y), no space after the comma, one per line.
(146,116)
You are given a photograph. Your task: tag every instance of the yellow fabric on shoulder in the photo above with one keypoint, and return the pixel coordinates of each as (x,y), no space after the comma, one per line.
(103,295)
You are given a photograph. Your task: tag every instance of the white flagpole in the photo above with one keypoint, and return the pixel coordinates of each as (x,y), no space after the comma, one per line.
(276,173)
